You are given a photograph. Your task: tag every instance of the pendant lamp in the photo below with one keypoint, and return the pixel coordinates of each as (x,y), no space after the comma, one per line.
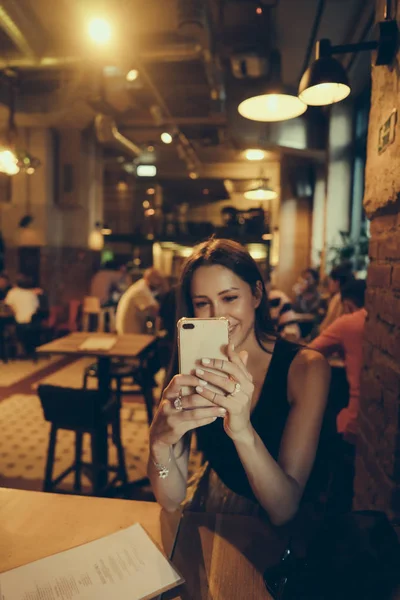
(272,100)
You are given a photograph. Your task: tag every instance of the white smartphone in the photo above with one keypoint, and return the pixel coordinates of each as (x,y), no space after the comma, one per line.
(201,338)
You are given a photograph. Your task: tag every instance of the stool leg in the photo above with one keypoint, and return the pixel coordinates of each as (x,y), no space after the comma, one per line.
(99,445)
(78,460)
(85,322)
(47,484)
(116,427)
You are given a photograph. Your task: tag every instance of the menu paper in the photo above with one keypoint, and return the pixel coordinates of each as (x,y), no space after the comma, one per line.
(126,565)
(98,343)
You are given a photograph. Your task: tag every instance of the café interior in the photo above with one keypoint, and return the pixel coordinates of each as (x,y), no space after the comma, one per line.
(131,132)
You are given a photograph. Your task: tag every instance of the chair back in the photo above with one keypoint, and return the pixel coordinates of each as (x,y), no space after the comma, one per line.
(72,408)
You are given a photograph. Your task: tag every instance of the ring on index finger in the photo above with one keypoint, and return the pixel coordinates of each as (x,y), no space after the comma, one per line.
(178,402)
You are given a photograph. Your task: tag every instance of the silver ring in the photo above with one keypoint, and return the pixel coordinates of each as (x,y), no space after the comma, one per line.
(237,389)
(178,402)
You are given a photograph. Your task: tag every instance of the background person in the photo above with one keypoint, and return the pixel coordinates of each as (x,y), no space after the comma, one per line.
(338,278)
(139,304)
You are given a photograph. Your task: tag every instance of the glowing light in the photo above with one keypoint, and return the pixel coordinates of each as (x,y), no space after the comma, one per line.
(193,175)
(272,107)
(100,31)
(8,162)
(151,191)
(146,204)
(166,137)
(254,154)
(146,171)
(132,75)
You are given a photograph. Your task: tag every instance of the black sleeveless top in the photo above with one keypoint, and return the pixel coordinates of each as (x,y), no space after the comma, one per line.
(268,419)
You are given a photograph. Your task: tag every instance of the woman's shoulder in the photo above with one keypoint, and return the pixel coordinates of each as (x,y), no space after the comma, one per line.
(309,363)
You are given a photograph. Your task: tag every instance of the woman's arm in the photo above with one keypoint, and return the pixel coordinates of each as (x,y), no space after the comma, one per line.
(171,491)
(277,485)
(170,439)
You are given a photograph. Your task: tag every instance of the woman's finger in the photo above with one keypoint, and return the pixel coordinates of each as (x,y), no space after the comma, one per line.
(240,360)
(225,384)
(235,368)
(218,399)
(178,382)
(195,401)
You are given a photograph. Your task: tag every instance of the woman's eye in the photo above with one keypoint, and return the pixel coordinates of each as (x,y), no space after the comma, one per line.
(230,298)
(200,305)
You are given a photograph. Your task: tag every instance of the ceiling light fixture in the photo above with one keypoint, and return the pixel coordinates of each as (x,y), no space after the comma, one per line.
(99,31)
(166,137)
(132,75)
(254,154)
(146,170)
(193,175)
(272,101)
(261,191)
(325,81)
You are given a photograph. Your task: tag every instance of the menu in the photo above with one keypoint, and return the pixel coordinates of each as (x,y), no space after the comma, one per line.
(98,343)
(126,565)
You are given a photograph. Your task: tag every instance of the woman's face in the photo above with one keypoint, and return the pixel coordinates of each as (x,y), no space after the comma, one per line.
(217,292)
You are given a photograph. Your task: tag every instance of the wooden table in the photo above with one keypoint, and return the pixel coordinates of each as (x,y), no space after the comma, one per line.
(132,346)
(224,557)
(34,525)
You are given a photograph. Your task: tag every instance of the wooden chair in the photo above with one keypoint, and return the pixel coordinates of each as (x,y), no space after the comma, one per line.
(83,411)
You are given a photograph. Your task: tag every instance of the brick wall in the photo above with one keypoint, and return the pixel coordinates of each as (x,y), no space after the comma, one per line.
(377,481)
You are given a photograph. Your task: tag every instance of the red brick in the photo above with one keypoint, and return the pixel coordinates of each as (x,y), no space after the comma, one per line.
(396,277)
(382,224)
(373,249)
(387,307)
(389,247)
(379,275)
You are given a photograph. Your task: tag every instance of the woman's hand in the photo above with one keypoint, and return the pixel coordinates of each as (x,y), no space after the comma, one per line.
(236,390)
(169,423)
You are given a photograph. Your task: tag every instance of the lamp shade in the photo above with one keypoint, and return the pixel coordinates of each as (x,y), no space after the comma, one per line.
(324,82)
(273,102)
(261,192)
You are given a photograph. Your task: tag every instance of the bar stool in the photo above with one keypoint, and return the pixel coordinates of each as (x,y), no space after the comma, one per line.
(83,411)
(91,308)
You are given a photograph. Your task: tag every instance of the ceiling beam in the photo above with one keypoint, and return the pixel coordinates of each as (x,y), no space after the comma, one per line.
(21,28)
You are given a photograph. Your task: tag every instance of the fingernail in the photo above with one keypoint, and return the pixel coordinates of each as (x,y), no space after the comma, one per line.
(199,389)
(233,346)
(222,411)
(205,361)
(202,382)
(199,372)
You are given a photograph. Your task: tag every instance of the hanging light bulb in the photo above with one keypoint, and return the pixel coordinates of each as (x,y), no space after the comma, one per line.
(272,100)
(261,191)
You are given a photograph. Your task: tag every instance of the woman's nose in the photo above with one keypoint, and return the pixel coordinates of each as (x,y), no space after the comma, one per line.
(219,311)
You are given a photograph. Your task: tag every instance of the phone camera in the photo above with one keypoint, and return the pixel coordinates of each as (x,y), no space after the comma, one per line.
(188,326)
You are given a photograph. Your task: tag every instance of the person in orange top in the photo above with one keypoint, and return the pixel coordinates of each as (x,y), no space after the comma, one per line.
(345,335)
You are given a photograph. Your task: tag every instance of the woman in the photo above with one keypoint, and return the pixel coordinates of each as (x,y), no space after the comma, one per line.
(260,434)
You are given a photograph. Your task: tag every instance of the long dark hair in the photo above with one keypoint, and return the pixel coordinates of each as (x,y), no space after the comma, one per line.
(232,256)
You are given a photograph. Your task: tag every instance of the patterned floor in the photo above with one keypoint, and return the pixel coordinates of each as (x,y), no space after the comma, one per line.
(24,436)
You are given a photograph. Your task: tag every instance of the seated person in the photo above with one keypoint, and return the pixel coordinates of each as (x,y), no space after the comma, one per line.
(345,335)
(338,278)
(260,432)
(24,302)
(308,298)
(109,283)
(139,306)
(282,313)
